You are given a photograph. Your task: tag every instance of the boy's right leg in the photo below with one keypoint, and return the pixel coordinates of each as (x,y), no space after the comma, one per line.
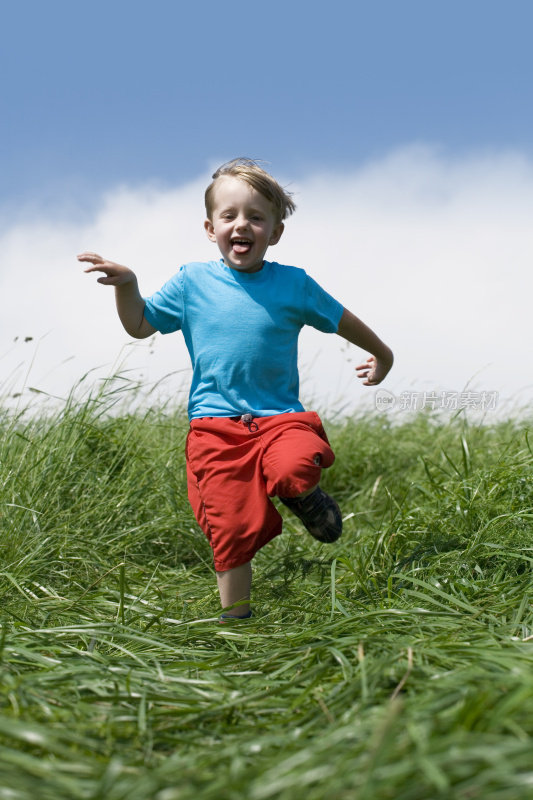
(227,493)
(234,586)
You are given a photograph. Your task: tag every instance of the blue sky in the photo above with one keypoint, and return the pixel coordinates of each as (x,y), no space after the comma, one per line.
(95,94)
(403,126)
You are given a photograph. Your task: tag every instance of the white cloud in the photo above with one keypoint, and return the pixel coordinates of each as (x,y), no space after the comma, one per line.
(433,253)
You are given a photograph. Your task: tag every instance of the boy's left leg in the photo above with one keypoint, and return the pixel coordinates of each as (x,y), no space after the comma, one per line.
(319,513)
(292,466)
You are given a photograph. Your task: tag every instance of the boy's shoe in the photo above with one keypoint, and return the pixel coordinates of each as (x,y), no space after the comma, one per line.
(232,617)
(319,513)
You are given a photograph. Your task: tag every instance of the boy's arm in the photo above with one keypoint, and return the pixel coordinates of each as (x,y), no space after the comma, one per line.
(130,305)
(378,365)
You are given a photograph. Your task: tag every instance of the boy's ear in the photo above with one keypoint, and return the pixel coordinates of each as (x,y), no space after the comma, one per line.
(209,229)
(276,233)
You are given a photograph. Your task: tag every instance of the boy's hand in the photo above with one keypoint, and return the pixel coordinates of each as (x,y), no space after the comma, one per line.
(115,274)
(130,304)
(374,370)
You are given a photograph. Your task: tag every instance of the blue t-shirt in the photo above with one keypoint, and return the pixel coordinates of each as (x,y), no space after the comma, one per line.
(241,330)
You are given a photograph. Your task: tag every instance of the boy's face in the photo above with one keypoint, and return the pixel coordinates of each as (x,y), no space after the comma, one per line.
(243,224)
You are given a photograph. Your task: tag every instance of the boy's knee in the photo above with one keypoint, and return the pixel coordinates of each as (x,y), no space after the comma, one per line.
(291,474)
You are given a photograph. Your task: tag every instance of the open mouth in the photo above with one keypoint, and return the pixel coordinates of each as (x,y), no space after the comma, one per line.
(241,246)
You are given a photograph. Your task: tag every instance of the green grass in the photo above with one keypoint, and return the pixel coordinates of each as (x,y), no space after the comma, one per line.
(397,663)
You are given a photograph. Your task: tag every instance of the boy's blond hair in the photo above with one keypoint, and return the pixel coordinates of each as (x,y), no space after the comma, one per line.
(249,171)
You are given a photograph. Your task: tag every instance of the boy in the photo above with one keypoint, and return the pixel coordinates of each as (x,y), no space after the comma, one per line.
(250,438)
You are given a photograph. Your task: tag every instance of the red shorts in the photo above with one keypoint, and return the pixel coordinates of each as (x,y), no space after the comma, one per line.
(233,470)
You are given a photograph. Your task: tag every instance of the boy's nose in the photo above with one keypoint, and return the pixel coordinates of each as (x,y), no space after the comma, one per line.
(241,223)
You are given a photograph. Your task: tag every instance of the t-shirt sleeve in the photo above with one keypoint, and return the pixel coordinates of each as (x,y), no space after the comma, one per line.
(322,311)
(164,309)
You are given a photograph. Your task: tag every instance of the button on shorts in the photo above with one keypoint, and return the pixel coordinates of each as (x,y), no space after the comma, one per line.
(233,469)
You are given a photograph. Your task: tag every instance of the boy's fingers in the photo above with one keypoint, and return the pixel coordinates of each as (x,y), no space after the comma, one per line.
(92,257)
(97,268)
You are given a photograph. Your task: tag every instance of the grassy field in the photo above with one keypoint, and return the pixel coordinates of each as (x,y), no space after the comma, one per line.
(397,663)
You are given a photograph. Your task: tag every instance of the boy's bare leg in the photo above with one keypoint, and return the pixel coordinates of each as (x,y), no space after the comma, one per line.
(234,585)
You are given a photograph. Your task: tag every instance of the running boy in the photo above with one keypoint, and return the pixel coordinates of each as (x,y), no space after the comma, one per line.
(250,438)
